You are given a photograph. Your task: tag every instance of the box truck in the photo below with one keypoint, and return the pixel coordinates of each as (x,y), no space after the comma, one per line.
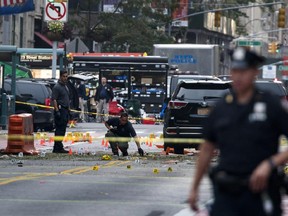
(201,59)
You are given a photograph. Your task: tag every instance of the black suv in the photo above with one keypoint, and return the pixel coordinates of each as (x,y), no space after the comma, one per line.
(175,79)
(30,92)
(187,110)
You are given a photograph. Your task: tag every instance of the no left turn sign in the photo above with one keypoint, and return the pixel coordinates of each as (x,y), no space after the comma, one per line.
(56,11)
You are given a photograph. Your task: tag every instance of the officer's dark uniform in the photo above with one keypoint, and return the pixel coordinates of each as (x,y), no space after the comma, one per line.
(245,135)
(121,131)
(60,93)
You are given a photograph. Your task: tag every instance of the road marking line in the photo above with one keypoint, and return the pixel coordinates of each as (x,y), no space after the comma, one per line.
(79,170)
(83,170)
(71,171)
(25,177)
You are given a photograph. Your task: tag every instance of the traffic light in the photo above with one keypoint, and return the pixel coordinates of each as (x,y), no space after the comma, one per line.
(272,47)
(278,47)
(281,17)
(217,19)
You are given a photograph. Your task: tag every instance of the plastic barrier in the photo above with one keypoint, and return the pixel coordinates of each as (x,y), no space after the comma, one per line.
(20,134)
(148,121)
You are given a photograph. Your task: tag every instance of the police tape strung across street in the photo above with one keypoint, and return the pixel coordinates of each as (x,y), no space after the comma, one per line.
(91,113)
(81,137)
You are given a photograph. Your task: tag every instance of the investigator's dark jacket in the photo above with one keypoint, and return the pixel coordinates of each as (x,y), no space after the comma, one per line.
(109,90)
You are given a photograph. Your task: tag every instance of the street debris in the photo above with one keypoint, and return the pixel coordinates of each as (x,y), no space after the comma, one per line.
(155,170)
(4,157)
(20,163)
(95,168)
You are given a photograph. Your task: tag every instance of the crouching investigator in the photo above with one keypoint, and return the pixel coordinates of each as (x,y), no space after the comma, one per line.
(120,130)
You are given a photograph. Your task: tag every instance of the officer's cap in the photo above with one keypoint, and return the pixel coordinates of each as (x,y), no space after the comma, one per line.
(243,59)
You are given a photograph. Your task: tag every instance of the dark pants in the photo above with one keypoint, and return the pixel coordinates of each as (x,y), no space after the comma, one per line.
(244,202)
(60,128)
(114,144)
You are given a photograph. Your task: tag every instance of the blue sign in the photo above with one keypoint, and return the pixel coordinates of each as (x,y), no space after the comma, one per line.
(183,59)
(26,6)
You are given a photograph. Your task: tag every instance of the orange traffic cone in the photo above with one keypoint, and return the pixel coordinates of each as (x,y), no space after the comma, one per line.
(42,142)
(150,143)
(106,144)
(167,150)
(73,140)
(90,139)
(70,152)
(51,139)
(103,142)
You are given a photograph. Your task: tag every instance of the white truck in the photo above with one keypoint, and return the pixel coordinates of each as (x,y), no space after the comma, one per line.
(198,58)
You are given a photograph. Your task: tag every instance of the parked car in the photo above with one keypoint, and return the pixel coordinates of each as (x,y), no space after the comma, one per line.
(225,77)
(30,92)
(175,79)
(187,111)
(275,87)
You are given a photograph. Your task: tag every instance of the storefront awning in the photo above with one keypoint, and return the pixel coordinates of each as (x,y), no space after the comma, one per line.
(21,71)
(46,40)
(8,7)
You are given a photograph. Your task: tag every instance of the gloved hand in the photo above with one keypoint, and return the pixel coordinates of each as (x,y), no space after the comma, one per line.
(57,114)
(140,151)
(113,130)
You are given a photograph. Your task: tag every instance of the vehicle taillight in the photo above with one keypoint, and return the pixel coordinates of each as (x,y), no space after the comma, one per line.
(48,103)
(171,131)
(177,104)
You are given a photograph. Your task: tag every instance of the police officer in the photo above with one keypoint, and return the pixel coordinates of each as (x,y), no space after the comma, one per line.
(61,103)
(120,130)
(245,126)
(104,95)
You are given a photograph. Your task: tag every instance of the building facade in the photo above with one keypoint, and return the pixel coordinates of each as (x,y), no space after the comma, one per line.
(19,29)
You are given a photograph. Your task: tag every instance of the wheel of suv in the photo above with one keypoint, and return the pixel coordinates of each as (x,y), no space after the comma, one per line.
(166,144)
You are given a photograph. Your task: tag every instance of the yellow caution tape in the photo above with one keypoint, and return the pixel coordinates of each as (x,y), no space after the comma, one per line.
(89,113)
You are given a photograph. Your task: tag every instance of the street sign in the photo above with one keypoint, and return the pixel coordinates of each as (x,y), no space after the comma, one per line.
(248,43)
(57,10)
(269,71)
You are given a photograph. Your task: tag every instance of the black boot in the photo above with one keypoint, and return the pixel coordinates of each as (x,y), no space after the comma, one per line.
(58,148)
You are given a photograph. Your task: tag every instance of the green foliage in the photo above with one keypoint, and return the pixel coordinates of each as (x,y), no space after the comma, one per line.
(134,24)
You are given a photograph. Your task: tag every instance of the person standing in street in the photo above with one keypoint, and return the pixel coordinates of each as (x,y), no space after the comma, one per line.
(81,90)
(245,126)
(120,130)
(104,95)
(61,103)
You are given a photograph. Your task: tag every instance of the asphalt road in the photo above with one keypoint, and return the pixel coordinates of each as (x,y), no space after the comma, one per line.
(74,188)
(53,184)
